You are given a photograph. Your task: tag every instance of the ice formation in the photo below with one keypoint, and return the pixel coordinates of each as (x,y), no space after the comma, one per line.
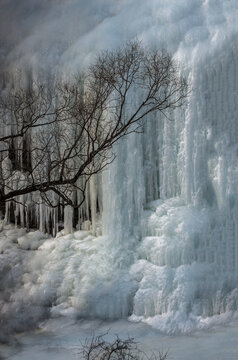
(169,251)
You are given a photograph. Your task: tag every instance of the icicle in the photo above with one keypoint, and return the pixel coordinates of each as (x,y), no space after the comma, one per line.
(68,219)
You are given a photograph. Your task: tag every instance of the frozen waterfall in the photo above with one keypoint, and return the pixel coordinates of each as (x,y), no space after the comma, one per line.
(168,254)
(175,188)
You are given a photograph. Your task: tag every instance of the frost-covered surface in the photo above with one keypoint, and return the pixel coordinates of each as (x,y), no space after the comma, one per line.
(187,270)
(186,273)
(173,262)
(74,275)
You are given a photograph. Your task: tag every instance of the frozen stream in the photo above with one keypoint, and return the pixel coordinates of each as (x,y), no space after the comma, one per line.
(60,339)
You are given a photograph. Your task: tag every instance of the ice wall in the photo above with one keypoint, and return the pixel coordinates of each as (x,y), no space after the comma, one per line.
(187,268)
(189,253)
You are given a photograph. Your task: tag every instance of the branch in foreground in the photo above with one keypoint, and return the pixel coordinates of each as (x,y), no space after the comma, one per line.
(100,349)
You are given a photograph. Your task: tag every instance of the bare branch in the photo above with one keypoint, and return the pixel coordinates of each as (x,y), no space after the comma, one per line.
(53,135)
(100,349)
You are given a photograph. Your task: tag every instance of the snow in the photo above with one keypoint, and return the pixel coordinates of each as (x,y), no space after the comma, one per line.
(165,282)
(32,240)
(70,274)
(168,256)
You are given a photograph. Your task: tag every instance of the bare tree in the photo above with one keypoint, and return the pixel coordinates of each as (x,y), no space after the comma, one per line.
(100,349)
(56,138)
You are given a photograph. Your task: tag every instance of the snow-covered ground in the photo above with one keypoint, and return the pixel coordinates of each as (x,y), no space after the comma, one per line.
(57,282)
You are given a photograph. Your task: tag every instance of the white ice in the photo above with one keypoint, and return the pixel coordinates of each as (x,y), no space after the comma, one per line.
(173,262)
